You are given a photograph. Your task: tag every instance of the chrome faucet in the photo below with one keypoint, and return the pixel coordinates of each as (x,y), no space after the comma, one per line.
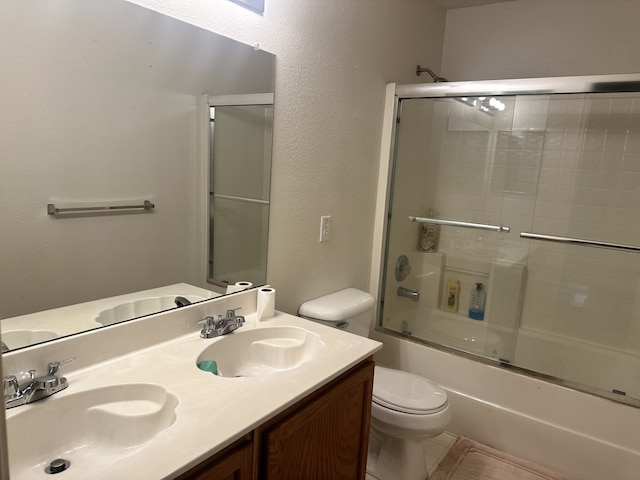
(182,302)
(411,294)
(35,388)
(222,325)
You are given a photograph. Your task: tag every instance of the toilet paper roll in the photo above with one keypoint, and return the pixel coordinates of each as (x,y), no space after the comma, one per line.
(238,286)
(266,302)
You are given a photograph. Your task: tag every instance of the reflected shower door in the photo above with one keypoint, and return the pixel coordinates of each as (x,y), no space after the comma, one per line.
(240,167)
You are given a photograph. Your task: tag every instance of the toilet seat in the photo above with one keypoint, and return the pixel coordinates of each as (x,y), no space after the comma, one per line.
(407,393)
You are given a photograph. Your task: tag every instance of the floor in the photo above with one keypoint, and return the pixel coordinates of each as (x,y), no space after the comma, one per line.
(434,451)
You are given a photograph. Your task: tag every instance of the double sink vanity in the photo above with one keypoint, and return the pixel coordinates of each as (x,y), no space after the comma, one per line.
(150,398)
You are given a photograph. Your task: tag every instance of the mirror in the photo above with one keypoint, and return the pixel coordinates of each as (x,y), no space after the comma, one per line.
(105,104)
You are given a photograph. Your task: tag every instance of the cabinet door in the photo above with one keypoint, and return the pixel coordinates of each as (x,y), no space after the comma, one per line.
(327,437)
(234,463)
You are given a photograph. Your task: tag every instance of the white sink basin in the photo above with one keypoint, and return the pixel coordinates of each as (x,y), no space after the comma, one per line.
(261,351)
(23,338)
(91,429)
(141,307)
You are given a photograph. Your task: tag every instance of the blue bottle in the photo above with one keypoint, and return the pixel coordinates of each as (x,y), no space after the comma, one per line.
(477,303)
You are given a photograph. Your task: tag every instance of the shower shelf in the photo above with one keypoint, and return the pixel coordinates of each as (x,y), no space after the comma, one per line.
(456,223)
(580,241)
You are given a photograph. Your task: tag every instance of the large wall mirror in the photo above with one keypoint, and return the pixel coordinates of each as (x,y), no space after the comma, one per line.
(102,106)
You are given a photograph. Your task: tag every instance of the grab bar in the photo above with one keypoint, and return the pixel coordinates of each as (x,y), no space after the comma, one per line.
(580,241)
(53,210)
(456,223)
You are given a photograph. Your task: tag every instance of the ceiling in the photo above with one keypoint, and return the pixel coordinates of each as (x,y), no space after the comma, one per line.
(451,4)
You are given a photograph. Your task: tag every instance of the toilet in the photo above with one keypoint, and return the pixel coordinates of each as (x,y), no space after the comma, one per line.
(406,408)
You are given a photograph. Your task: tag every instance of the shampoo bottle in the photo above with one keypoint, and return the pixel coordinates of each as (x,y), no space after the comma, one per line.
(453,295)
(477,303)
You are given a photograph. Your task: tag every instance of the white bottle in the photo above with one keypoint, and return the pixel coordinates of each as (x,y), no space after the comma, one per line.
(451,301)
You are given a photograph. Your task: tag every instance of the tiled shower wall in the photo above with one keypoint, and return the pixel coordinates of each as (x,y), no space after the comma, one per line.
(559,165)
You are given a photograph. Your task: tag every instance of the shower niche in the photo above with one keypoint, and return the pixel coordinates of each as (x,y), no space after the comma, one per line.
(535,185)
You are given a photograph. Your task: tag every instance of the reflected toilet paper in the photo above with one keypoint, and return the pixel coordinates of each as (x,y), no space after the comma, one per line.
(266,302)
(238,286)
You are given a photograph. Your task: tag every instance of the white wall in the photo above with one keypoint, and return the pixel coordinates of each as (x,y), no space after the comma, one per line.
(542,38)
(333,60)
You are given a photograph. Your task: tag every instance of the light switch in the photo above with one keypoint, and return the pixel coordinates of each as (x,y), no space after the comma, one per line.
(325,228)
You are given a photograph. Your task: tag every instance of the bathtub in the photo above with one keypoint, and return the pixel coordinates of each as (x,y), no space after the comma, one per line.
(579,362)
(583,436)
(452,330)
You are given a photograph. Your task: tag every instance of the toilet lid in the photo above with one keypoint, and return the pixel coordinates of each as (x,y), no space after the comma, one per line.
(408,393)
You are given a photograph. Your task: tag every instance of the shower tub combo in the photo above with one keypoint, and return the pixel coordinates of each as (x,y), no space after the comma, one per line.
(531,189)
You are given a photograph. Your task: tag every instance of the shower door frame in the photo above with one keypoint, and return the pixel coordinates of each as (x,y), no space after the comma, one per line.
(617,83)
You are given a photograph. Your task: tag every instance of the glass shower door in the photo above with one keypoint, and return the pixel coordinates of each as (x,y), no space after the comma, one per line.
(449,167)
(536,200)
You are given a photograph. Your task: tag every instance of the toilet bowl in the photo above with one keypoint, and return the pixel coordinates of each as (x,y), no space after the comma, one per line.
(406,409)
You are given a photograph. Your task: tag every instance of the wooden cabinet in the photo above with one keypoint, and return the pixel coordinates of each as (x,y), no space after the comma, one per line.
(325,435)
(233,463)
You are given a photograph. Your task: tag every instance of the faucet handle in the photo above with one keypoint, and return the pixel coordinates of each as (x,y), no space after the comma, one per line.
(209,326)
(231,313)
(208,322)
(11,387)
(55,368)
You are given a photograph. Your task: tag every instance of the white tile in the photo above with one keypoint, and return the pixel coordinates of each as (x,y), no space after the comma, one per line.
(436,448)
(615,142)
(594,142)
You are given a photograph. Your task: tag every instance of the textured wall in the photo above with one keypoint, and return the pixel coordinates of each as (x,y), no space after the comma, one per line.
(542,38)
(333,61)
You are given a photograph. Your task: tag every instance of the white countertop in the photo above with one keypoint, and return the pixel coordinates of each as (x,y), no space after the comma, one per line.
(212,411)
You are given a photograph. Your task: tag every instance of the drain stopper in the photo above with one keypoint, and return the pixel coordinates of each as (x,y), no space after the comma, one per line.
(58,465)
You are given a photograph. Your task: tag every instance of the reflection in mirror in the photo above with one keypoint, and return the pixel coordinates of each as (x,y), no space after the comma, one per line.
(240,185)
(102,106)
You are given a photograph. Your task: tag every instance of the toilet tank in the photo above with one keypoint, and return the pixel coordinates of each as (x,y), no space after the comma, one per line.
(349,309)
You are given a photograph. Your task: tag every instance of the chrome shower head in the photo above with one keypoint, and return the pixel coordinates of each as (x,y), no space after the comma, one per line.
(435,77)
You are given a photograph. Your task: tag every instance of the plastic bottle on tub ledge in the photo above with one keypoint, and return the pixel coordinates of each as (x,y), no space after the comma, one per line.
(477,302)
(429,235)
(453,295)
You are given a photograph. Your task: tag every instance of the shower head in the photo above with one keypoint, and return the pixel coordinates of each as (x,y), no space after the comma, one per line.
(435,77)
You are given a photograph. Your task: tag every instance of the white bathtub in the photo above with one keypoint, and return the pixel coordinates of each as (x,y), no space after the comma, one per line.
(452,330)
(578,361)
(582,436)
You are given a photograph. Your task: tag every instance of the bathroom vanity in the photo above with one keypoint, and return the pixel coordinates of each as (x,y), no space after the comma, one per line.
(322,436)
(291,399)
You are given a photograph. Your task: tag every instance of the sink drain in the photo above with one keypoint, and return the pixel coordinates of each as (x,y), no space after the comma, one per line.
(56,466)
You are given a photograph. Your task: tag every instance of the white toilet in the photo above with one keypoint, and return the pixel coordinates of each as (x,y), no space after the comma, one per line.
(406,408)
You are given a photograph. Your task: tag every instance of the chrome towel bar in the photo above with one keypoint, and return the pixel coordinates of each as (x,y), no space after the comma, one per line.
(53,210)
(456,223)
(580,241)
(241,199)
